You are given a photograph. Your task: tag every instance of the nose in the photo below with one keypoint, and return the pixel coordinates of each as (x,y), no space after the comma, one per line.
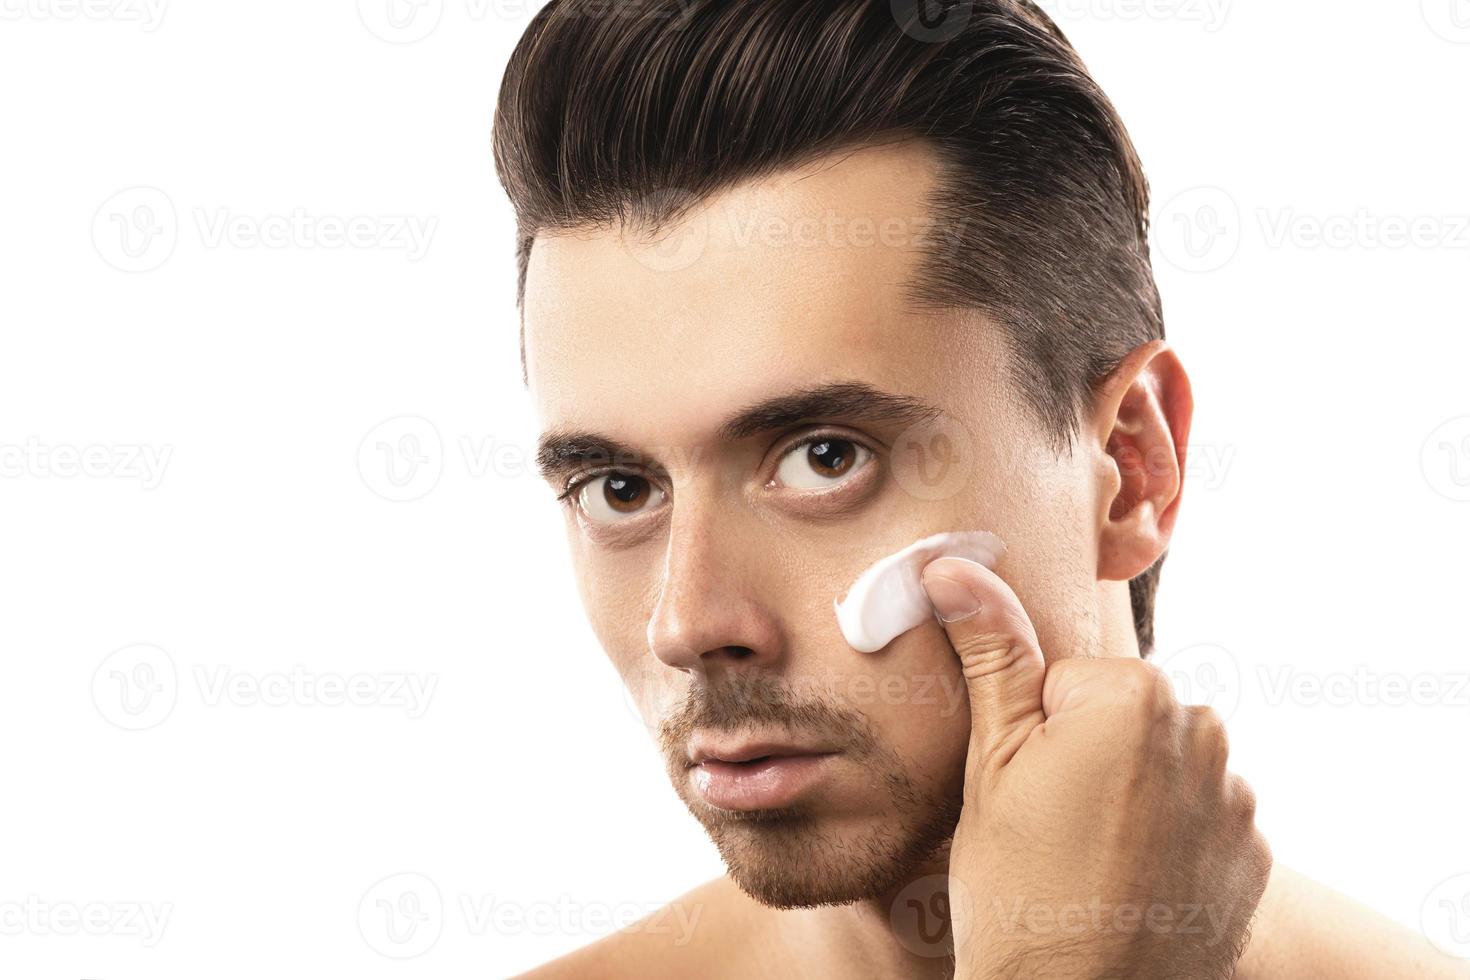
(713,609)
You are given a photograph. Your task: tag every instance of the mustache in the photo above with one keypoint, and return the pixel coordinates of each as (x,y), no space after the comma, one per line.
(761,701)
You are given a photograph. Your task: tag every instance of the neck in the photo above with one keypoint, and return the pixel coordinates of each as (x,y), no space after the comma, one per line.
(903,932)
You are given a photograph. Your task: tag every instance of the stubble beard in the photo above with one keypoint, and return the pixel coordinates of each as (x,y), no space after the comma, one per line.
(797,856)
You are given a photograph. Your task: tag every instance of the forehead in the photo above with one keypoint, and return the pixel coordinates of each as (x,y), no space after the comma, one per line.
(772,285)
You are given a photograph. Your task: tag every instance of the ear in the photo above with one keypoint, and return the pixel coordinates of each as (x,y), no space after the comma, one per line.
(1140,428)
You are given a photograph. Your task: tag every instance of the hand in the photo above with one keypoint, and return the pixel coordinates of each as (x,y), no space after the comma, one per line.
(1101,835)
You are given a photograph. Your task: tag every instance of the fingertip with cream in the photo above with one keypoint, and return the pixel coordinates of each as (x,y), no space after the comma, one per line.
(888,598)
(946,583)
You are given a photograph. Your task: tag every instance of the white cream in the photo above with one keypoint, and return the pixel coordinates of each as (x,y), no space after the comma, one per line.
(889,599)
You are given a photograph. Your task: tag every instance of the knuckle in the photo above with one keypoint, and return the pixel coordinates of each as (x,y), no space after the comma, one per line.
(1210,732)
(983,654)
(1147,693)
(1243,799)
(1066,677)
(1265,859)
(1069,669)
(1206,718)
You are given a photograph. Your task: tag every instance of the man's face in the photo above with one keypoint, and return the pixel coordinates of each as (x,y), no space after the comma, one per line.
(777,417)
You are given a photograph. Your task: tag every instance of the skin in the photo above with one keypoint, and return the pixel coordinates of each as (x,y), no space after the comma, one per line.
(1071,761)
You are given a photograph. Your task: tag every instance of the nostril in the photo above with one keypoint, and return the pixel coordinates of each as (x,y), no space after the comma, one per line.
(739,653)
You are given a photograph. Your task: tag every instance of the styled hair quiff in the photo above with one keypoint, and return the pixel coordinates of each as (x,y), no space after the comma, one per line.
(632,111)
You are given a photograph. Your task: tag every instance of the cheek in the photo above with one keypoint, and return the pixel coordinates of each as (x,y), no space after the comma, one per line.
(618,610)
(1056,577)
(914,696)
(617,592)
(1043,508)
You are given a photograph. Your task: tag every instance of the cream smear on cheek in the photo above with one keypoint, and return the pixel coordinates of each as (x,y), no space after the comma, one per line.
(889,599)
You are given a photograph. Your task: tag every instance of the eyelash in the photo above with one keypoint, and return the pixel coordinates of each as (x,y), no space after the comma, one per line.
(577,482)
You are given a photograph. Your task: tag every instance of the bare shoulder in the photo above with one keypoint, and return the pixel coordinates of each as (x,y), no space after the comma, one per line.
(1306,930)
(711,931)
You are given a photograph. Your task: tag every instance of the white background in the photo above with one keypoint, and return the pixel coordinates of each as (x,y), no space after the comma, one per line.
(252,357)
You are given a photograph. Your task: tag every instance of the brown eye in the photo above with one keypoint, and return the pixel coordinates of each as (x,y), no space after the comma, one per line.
(624,493)
(616,497)
(831,457)
(820,463)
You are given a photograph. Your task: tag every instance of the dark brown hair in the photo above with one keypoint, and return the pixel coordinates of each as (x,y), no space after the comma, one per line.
(631,111)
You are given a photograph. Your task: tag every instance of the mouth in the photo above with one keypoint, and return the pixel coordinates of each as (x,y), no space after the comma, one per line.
(755,775)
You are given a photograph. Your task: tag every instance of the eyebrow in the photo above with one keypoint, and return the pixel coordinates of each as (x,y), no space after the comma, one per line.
(852,400)
(561,451)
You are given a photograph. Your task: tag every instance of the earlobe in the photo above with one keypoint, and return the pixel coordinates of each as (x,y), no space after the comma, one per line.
(1141,424)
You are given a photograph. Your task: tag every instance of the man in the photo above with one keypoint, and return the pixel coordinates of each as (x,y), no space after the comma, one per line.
(801,283)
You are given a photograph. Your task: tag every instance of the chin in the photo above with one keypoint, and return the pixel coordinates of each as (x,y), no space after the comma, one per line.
(792,859)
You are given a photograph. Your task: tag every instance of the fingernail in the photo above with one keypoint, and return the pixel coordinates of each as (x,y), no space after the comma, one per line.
(952,601)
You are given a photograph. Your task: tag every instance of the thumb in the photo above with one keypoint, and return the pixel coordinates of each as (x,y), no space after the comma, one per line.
(999,655)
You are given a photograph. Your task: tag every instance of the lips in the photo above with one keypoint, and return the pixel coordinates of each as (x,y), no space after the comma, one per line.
(753,775)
